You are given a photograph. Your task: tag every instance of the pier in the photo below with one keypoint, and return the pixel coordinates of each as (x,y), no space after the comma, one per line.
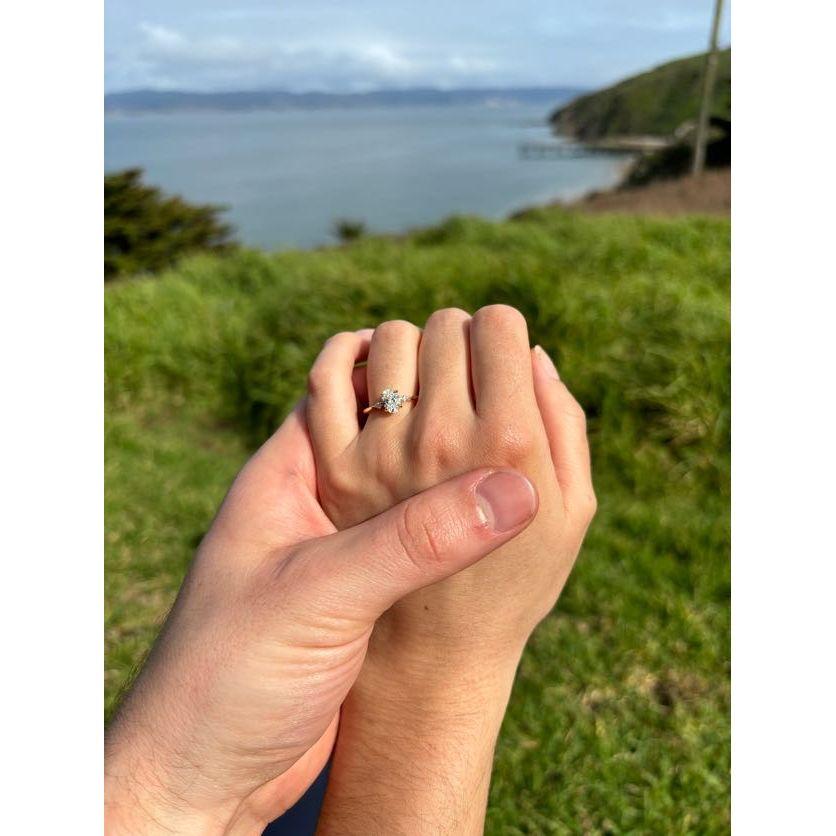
(613,145)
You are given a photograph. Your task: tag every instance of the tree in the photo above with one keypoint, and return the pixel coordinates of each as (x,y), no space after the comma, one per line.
(146,231)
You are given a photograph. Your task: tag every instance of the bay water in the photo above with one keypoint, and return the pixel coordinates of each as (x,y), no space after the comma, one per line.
(287,176)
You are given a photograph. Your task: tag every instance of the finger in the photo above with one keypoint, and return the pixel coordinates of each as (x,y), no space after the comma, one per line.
(565,425)
(332,403)
(266,507)
(358,380)
(500,361)
(444,360)
(288,450)
(360,572)
(393,361)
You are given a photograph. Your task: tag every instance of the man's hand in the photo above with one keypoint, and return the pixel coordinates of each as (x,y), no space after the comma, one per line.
(235,712)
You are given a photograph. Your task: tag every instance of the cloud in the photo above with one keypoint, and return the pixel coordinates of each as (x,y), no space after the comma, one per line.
(159,37)
(163,44)
(171,59)
(385,59)
(334,45)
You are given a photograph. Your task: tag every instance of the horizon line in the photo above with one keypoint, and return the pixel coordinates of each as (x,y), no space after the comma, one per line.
(371,90)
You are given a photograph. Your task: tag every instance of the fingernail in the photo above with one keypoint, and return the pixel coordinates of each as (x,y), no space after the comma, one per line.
(548,363)
(506,500)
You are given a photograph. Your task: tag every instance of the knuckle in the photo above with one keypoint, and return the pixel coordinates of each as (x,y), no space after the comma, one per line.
(318,379)
(575,411)
(447,317)
(416,539)
(341,337)
(591,504)
(438,444)
(583,508)
(387,465)
(395,329)
(502,316)
(336,486)
(423,467)
(512,443)
(318,376)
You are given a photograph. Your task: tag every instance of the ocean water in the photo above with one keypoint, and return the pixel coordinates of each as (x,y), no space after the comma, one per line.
(286,176)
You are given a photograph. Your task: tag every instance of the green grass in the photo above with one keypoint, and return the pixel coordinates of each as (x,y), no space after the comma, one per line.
(653,103)
(619,721)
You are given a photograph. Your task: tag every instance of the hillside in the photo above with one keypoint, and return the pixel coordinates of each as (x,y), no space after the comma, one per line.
(619,719)
(709,194)
(654,103)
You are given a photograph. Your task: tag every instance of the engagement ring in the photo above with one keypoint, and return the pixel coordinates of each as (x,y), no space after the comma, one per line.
(390,401)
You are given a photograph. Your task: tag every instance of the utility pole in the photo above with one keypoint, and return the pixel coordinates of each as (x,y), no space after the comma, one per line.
(709,73)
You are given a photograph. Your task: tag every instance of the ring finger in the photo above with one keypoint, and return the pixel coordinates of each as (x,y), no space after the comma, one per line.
(393,362)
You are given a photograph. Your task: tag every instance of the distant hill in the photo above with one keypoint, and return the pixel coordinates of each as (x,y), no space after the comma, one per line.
(654,103)
(138,101)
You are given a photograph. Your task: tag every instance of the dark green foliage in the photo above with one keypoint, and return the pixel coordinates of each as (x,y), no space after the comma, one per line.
(145,231)
(619,720)
(348,229)
(675,160)
(654,103)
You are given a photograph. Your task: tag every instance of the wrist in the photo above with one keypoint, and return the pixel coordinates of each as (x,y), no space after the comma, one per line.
(135,806)
(445,719)
(453,669)
(132,812)
(144,794)
(415,751)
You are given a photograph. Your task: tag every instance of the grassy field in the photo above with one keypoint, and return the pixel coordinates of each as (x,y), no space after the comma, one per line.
(619,721)
(656,102)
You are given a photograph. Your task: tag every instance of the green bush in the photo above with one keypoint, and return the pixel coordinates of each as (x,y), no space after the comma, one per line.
(348,229)
(145,231)
(619,720)
(675,161)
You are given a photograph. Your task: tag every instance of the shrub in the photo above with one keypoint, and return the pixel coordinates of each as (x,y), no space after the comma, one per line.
(146,231)
(347,229)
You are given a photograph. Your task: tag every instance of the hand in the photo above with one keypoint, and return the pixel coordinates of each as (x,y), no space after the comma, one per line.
(235,712)
(417,734)
(484,399)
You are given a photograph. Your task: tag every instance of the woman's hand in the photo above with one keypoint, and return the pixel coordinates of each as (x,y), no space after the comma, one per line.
(485,398)
(418,729)
(235,712)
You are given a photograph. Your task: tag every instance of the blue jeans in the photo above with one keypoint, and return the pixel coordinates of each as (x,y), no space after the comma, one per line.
(301,818)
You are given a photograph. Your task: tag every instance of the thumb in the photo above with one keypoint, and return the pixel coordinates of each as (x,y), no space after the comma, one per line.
(363,570)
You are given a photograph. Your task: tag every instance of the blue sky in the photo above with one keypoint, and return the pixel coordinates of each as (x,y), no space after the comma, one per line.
(343,45)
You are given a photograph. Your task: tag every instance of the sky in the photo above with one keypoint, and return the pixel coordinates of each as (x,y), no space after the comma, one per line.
(352,45)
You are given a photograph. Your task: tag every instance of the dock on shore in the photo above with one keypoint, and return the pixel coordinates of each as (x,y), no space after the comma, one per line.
(611,145)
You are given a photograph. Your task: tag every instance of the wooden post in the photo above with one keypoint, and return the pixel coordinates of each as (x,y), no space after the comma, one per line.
(709,73)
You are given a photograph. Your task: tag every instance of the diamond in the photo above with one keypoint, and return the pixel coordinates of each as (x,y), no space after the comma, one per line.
(391,400)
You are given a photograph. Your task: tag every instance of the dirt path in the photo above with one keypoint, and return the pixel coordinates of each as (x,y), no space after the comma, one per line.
(710,194)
